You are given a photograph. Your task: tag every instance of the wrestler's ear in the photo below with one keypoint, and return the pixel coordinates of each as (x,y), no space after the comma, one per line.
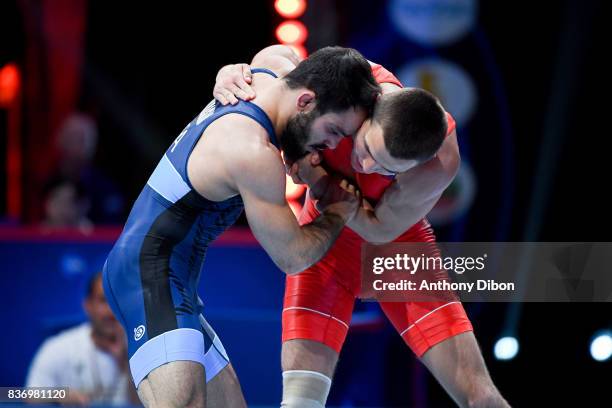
(306,101)
(315,158)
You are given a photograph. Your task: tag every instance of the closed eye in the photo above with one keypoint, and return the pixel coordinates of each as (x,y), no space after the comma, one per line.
(335,131)
(384,170)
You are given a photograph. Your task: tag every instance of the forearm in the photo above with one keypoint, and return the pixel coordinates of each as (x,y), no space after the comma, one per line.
(368,226)
(233,82)
(294,248)
(314,240)
(406,202)
(388,225)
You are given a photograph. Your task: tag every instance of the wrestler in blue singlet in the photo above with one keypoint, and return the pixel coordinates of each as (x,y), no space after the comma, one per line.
(151,275)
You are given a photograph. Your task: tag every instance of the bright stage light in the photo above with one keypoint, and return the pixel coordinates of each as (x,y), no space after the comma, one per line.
(506,348)
(9,84)
(601,346)
(290,8)
(291,32)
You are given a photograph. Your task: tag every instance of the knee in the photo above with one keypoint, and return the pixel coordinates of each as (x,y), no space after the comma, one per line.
(486,396)
(195,400)
(308,355)
(173,385)
(189,396)
(183,400)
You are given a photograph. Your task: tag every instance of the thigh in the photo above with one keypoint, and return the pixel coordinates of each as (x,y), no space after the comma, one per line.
(422,325)
(175,384)
(317,308)
(319,301)
(224,390)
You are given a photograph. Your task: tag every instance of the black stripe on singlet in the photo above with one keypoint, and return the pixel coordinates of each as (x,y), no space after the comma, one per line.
(155,254)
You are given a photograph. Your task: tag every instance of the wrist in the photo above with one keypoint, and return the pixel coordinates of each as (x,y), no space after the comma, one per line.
(341,216)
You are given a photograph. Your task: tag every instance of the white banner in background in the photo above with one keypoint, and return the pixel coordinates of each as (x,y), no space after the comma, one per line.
(433,22)
(445,79)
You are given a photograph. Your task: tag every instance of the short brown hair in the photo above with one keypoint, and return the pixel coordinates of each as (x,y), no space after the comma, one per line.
(413,123)
(341,78)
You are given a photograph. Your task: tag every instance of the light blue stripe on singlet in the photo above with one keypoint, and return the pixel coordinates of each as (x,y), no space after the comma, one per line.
(167,181)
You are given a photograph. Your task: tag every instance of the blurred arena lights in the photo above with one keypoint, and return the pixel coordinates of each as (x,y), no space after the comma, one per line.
(9,84)
(601,346)
(291,32)
(290,8)
(506,348)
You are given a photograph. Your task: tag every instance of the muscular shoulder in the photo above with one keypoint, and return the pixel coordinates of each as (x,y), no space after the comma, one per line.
(246,134)
(252,156)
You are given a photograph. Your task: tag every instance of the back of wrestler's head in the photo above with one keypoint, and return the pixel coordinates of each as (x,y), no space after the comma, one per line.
(340,78)
(413,123)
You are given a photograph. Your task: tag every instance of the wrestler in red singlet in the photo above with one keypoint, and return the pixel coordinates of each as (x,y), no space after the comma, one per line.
(319,301)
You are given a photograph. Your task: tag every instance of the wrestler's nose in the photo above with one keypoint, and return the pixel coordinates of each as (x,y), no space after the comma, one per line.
(333,143)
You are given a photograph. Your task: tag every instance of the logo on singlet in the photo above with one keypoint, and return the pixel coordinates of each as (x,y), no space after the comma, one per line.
(139,332)
(206,112)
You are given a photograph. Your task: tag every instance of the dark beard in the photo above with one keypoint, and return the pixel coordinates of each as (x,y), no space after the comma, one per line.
(294,138)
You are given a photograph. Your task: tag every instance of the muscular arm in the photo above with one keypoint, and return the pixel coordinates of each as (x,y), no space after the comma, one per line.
(261,182)
(279,58)
(410,198)
(252,167)
(233,81)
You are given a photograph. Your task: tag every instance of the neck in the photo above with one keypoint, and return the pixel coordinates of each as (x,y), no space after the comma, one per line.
(278,101)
